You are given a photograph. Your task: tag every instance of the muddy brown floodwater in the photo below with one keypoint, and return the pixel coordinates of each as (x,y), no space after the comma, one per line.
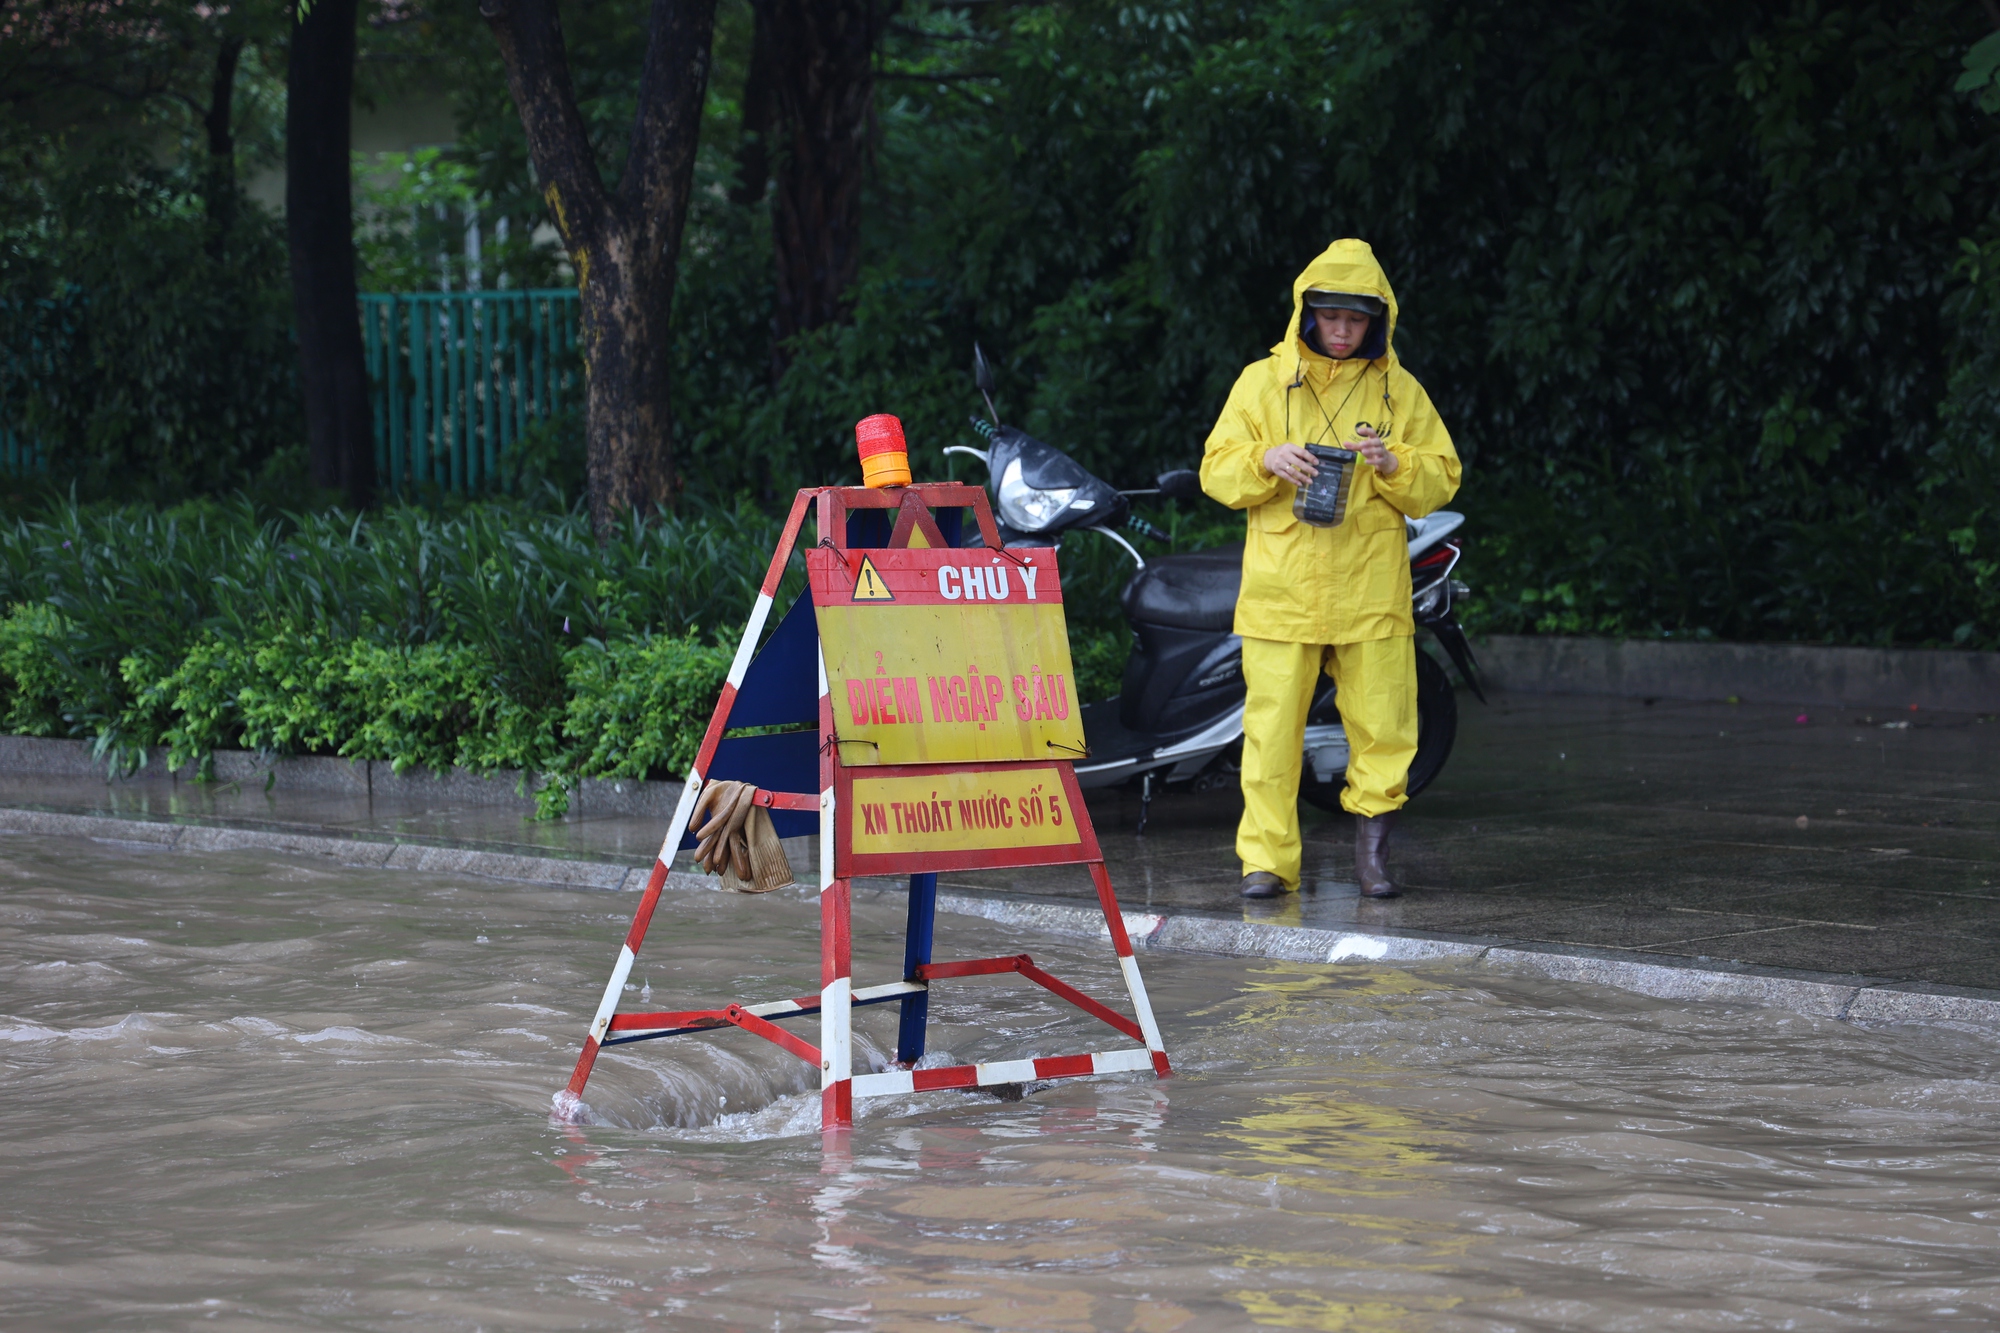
(247,1092)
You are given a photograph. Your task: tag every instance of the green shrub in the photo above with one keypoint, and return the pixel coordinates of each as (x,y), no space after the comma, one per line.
(522,586)
(31,674)
(494,636)
(638,708)
(630,709)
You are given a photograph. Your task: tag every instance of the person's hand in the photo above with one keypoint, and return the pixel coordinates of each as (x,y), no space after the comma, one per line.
(1370,447)
(1290,462)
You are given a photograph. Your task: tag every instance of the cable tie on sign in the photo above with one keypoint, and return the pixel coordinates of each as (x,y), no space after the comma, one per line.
(827,745)
(1058,745)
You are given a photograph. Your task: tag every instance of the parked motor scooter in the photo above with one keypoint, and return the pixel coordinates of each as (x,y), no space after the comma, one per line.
(1178,717)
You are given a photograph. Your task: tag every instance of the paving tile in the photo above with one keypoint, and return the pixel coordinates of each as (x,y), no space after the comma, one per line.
(1622,925)
(1883,953)
(1981,971)
(1903,909)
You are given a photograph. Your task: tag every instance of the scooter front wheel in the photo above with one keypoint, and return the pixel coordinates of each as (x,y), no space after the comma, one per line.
(1437,728)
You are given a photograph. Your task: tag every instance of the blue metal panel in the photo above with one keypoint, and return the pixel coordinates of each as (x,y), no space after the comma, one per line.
(916,1009)
(870,528)
(781,688)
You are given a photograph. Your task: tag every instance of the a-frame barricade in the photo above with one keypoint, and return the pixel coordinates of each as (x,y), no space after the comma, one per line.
(907,757)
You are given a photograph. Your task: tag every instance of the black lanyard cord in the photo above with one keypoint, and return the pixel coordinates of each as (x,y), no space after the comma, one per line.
(1331,425)
(1388,404)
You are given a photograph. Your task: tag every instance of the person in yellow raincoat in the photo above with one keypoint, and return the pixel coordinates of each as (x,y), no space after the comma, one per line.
(1333,599)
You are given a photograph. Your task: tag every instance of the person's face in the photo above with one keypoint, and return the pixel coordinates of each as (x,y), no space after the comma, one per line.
(1340,331)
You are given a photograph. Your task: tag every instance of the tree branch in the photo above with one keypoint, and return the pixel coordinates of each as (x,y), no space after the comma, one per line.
(537,61)
(672,83)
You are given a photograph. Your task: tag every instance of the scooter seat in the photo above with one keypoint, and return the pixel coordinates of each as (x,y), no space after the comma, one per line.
(1193,591)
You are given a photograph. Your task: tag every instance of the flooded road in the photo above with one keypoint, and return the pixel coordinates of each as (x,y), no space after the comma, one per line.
(248,1092)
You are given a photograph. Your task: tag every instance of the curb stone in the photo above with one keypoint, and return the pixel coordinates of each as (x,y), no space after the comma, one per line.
(1845,998)
(1948,679)
(1860,999)
(319,774)
(359,851)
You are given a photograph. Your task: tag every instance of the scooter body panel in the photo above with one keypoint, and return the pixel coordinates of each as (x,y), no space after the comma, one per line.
(1178,681)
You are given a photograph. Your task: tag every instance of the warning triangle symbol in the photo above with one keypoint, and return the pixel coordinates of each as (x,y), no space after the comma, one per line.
(869,585)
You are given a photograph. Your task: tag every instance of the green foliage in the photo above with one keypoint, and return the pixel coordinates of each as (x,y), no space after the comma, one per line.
(293,691)
(1706,294)
(494,637)
(410,215)
(1698,290)
(31,674)
(419,638)
(632,709)
(1099,658)
(1982,71)
(638,707)
(412,212)
(144,358)
(145,312)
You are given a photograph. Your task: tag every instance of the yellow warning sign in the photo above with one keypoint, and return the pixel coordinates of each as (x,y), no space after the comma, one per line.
(968,661)
(934,685)
(966,811)
(869,585)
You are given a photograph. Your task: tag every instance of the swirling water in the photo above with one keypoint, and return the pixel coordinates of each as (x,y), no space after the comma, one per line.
(251,1091)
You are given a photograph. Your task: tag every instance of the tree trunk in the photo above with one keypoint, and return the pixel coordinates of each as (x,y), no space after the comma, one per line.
(823,68)
(753,152)
(221,184)
(625,245)
(320,226)
(628,346)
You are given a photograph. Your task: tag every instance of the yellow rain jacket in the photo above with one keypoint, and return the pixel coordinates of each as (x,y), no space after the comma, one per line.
(1345,584)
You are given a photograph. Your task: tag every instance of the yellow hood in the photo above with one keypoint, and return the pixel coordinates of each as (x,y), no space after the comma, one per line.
(1345,266)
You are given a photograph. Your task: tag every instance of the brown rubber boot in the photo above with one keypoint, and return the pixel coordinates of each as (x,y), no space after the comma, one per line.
(1263,884)
(1371,849)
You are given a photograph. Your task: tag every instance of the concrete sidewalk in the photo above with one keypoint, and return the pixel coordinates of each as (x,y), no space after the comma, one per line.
(1852,843)
(1848,863)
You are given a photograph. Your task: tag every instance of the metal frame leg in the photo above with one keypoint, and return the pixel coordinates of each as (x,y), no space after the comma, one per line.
(1121,944)
(916,1009)
(836,995)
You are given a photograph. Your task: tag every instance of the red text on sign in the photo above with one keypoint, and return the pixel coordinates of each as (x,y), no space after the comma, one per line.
(990,811)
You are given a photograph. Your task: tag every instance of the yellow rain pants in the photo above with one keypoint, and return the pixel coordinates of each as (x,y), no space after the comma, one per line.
(1376,689)
(1340,594)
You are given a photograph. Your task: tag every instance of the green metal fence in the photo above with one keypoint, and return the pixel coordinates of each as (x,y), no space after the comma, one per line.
(33,331)
(457,377)
(18,456)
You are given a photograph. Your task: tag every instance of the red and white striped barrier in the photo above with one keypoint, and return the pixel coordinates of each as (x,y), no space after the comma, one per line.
(569,1100)
(838,998)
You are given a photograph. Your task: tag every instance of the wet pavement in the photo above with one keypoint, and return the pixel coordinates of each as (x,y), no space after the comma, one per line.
(1851,843)
(1854,843)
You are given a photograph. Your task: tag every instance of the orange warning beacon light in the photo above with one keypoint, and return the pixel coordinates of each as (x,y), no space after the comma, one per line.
(885,458)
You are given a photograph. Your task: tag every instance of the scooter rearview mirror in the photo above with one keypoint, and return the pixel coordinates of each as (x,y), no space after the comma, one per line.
(1180,484)
(982,375)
